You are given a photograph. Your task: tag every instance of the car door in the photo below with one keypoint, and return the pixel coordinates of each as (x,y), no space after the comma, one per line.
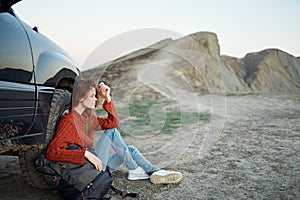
(17,88)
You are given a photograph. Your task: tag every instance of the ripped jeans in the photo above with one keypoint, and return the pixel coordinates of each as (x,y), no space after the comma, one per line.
(127,155)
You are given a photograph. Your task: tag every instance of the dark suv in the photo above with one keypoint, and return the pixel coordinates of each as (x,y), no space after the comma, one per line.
(36,79)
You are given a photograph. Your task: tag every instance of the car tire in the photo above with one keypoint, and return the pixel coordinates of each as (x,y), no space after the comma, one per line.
(60,105)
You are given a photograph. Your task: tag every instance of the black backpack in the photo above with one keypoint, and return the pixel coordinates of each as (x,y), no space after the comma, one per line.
(77,182)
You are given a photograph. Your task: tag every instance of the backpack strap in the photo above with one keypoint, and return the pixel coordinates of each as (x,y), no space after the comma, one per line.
(123,194)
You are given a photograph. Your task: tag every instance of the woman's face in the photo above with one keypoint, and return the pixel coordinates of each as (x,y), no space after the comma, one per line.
(90,100)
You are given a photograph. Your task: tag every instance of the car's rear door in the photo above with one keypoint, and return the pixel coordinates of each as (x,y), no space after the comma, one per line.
(17,88)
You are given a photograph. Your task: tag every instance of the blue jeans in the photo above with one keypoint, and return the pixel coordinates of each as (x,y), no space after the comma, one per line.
(127,155)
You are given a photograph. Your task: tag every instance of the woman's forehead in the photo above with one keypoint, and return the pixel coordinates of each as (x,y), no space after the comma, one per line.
(92,91)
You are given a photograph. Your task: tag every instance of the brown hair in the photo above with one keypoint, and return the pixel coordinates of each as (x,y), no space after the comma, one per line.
(81,90)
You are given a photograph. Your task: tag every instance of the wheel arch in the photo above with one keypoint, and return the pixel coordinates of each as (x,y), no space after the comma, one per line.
(55,69)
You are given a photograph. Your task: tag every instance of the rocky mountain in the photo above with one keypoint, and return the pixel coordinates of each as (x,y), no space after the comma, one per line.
(194,63)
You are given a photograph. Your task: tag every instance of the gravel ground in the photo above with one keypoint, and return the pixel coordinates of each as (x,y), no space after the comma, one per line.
(251,152)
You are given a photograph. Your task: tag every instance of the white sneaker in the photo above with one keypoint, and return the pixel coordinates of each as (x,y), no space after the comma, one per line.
(137,174)
(165,177)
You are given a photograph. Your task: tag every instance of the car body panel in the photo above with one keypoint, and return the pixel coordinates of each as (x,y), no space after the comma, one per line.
(15,52)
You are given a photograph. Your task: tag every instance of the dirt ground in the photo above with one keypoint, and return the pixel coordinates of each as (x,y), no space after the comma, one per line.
(250,150)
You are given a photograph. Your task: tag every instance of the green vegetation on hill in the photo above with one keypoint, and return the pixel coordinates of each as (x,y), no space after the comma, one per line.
(157,115)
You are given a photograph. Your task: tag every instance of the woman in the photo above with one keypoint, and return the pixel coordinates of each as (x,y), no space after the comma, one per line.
(78,126)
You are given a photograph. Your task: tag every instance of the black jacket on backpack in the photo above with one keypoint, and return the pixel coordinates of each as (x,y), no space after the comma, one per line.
(78,182)
(75,182)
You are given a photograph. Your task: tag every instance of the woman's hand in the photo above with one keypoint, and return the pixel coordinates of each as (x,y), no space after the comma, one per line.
(104,91)
(94,160)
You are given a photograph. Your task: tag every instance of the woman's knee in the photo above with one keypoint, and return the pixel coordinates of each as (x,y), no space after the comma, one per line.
(111,132)
(132,149)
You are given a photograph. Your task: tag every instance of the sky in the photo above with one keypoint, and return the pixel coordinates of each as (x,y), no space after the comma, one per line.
(242,26)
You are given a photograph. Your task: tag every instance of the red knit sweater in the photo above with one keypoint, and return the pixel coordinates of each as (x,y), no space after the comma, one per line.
(72,130)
